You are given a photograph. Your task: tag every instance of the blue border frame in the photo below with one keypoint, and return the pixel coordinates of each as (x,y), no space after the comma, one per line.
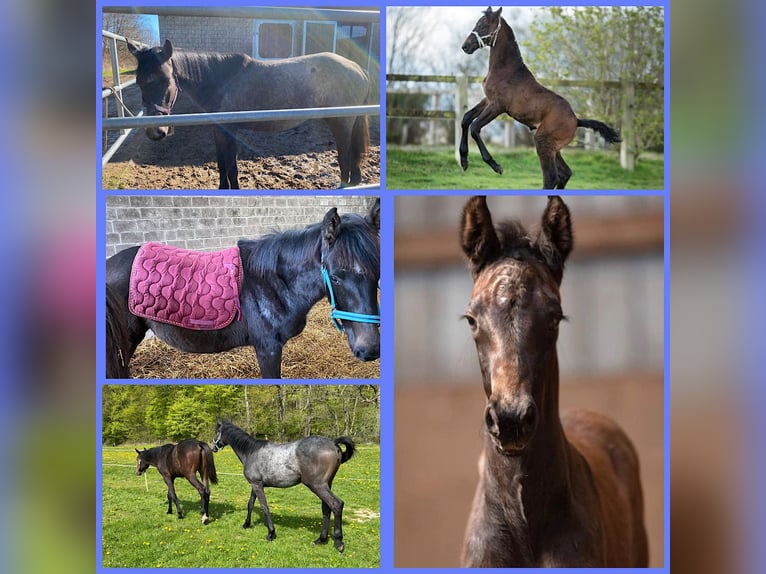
(387,278)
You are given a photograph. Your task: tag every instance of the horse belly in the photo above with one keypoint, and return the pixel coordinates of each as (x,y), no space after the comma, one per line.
(192,341)
(277,126)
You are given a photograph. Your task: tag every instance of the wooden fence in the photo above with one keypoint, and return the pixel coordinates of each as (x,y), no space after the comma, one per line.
(628,100)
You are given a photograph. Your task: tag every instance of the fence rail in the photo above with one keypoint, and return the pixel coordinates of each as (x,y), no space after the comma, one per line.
(628,89)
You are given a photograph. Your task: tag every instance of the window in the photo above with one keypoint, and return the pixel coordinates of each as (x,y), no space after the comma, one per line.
(274,39)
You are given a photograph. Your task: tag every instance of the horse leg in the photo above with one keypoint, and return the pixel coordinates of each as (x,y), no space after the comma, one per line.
(565,172)
(172,496)
(226,155)
(250,504)
(204,494)
(335,505)
(258,490)
(341,132)
(325,524)
(469,116)
(546,151)
(270,360)
(489,113)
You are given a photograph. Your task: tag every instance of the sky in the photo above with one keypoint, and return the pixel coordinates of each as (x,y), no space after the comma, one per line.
(450,25)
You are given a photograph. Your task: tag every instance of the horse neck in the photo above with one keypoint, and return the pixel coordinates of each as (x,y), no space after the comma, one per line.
(201,74)
(242,443)
(532,486)
(505,51)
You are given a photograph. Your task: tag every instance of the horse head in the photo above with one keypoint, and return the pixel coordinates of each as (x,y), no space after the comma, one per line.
(218,441)
(156,77)
(485,31)
(350,266)
(141,463)
(514,315)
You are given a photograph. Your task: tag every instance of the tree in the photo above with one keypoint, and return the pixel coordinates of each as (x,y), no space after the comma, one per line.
(605,43)
(134,26)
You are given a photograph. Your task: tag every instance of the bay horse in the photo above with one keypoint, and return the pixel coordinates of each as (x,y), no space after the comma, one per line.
(509,87)
(184,459)
(553,491)
(284,275)
(227,82)
(313,461)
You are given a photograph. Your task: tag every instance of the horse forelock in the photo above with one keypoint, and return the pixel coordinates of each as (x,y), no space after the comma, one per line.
(356,246)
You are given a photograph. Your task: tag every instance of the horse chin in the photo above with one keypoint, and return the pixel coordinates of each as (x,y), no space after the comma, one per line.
(510,450)
(156,134)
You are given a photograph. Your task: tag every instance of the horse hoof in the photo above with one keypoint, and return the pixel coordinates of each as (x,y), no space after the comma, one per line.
(246,525)
(204,519)
(320,540)
(271,536)
(340,546)
(464,165)
(498,169)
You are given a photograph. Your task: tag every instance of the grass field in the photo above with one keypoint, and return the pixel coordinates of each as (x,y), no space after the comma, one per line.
(137,532)
(436,168)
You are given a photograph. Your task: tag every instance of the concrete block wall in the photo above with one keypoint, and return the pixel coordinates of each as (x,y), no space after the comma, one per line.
(208,34)
(214,222)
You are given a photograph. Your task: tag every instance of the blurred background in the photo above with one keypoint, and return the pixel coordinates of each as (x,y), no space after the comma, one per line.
(610,353)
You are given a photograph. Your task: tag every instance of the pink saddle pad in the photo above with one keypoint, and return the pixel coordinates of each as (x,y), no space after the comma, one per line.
(192,289)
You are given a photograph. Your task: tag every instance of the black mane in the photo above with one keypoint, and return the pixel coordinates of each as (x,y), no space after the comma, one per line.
(355,244)
(238,439)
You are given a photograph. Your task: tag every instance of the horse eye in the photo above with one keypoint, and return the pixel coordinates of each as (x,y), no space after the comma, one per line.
(335,279)
(471,322)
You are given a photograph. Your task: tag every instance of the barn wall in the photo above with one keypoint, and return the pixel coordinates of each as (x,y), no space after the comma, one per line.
(214,222)
(208,34)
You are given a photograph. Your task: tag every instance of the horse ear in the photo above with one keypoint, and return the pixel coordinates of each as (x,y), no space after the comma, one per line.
(499,11)
(330,226)
(373,217)
(478,237)
(167,51)
(138,451)
(556,239)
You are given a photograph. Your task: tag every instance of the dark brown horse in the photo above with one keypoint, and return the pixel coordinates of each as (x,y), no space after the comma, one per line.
(553,491)
(236,82)
(184,459)
(510,87)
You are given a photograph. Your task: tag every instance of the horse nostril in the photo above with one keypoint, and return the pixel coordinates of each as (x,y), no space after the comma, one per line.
(490,419)
(528,419)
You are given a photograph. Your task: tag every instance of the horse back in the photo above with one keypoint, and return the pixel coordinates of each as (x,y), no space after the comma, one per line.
(313,81)
(613,472)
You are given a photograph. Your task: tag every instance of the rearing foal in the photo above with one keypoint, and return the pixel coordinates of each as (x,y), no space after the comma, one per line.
(510,87)
(553,491)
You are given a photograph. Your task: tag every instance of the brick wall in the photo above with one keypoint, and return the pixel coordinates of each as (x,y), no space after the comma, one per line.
(214,222)
(208,34)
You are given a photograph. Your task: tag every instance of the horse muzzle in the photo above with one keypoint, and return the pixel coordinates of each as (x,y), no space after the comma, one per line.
(470,45)
(511,427)
(158,133)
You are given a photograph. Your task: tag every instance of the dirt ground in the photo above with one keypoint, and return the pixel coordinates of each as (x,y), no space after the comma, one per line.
(301,158)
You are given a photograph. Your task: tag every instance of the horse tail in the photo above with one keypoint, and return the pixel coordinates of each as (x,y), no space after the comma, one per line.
(609,134)
(208,463)
(349,451)
(117,338)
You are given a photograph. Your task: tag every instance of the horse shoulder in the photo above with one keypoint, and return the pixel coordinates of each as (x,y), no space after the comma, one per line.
(612,476)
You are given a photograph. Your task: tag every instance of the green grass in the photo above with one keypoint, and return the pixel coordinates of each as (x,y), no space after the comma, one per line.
(437,169)
(137,532)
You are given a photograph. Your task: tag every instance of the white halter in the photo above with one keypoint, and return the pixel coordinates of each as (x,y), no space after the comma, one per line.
(492,36)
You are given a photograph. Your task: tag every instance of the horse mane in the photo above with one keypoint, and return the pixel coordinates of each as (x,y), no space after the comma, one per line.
(194,66)
(239,439)
(355,244)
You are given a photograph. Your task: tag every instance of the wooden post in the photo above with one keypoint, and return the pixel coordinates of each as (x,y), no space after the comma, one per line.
(509,135)
(627,147)
(461,107)
(432,122)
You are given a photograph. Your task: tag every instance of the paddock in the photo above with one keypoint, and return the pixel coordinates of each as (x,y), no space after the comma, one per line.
(301,158)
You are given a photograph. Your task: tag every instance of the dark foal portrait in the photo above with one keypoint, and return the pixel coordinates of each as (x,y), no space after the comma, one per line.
(541,396)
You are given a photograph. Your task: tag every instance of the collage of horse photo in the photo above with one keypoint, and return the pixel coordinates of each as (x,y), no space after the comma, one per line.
(473,329)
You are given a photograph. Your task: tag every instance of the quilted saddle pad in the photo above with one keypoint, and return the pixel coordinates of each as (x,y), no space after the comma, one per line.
(192,289)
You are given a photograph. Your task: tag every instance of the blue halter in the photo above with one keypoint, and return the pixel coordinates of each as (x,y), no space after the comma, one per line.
(336,315)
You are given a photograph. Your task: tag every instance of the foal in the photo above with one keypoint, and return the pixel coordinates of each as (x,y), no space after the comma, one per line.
(552,492)
(510,87)
(184,459)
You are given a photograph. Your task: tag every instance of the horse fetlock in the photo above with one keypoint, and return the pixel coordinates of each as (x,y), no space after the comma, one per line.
(204,519)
